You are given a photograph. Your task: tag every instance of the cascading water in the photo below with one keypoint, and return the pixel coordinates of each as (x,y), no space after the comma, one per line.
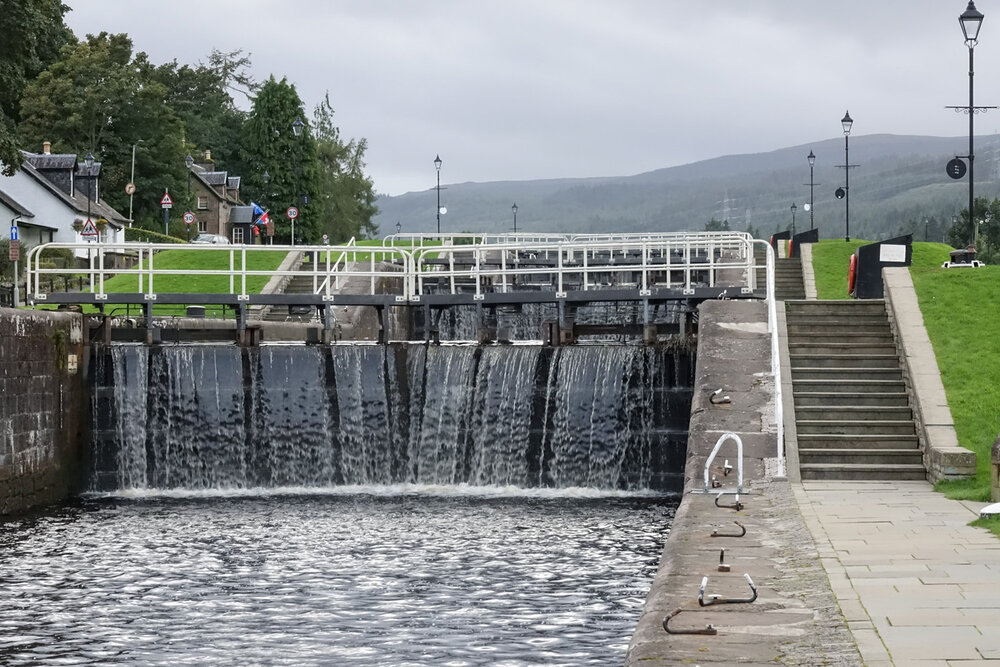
(207,416)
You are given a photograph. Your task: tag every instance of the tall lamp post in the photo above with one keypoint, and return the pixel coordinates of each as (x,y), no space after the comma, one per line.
(188,161)
(971,20)
(437,166)
(514,210)
(131,182)
(794,208)
(297,128)
(812,162)
(88,162)
(266,179)
(845,192)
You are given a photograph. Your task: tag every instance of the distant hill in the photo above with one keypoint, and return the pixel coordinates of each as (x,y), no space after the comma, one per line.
(899,182)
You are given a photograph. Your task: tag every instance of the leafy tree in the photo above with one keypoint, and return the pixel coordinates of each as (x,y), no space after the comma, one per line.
(201,96)
(347,203)
(987,233)
(98,98)
(714,225)
(270,146)
(33,32)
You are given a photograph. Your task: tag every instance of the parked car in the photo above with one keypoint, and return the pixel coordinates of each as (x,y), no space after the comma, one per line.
(210,238)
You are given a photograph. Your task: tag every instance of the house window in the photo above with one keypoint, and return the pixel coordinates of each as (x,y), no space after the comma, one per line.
(238,235)
(202,226)
(202,203)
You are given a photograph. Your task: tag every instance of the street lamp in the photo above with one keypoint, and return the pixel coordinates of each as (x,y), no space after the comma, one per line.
(845,192)
(437,165)
(188,161)
(514,209)
(266,178)
(812,163)
(794,207)
(131,182)
(297,128)
(971,21)
(88,162)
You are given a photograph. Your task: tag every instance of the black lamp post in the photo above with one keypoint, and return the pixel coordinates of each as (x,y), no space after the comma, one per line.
(266,178)
(437,165)
(188,161)
(514,210)
(794,207)
(812,163)
(88,162)
(846,122)
(971,20)
(399,228)
(297,128)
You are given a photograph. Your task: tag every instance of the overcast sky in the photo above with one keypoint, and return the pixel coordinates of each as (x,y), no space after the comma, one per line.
(529,89)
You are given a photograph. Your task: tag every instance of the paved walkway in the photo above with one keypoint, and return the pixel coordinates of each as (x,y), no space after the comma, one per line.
(917,585)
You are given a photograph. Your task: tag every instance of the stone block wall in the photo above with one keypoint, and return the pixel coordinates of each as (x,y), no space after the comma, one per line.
(42,407)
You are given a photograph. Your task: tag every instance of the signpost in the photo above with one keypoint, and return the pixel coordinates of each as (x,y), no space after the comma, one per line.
(292,213)
(188,219)
(167,203)
(14,255)
(89,230)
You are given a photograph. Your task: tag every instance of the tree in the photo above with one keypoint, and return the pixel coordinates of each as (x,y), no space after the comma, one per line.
(270,146)
(33,32)
(714,225)
(346,204)
(97,98)
(987,232)
(201,97)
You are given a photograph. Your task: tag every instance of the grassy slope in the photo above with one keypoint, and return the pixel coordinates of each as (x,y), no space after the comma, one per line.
(201,260)
(961,310)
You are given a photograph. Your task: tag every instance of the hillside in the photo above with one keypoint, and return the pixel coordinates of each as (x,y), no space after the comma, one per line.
(899,180)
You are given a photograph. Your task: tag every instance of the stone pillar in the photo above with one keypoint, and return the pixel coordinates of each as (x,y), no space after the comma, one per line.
(995,470)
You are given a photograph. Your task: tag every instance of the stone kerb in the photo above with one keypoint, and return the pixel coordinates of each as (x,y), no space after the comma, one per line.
(943,457)
(995,470)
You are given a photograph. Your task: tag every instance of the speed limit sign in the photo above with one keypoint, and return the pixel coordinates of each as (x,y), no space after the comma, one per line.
(130,189)
(292,212)
(188,218)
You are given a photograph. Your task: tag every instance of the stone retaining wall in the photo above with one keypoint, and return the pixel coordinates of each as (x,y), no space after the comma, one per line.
(42,407)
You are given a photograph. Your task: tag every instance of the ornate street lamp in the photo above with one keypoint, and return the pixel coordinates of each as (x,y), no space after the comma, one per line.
(514,210)
(437,165)
(812,162)
(88,162)
(794,207)
(971,21)
(845,193)
(297,127)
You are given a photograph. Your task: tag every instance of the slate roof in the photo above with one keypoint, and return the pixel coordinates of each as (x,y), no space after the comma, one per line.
(51,161)
(215,177)
(241,214)
(78,202)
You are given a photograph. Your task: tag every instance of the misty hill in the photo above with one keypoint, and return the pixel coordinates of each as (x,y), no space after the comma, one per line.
(899,182)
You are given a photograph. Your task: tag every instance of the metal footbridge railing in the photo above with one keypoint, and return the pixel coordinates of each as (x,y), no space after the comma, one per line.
(411,270)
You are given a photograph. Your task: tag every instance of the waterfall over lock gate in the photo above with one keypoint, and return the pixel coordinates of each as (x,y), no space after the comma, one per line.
(221,416)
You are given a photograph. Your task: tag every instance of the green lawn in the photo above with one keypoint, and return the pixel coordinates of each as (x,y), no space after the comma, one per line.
(961,310)
(201,260)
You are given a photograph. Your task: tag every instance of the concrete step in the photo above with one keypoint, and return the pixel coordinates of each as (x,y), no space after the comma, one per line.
(809,346)
(857,441)
(843,360)
(827,306)
(854,387)
(848,321)
(868,427)
(847,338)
(855,374)
(853,413)
(860,471)
(861,456)
(804,399)
(808,328)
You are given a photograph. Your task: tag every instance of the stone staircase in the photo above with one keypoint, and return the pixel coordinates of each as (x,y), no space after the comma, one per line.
(852,412)
(788,283)
(300,284)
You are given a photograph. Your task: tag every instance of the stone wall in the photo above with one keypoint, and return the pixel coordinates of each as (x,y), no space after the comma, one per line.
(42,407)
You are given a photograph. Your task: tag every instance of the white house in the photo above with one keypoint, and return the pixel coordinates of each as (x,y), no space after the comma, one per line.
(51,192)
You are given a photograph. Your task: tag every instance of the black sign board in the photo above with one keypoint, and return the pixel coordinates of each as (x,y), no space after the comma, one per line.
(956,168)
(840,193)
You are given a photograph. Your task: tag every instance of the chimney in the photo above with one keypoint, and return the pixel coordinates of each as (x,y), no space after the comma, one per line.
(208,155)
(46,148)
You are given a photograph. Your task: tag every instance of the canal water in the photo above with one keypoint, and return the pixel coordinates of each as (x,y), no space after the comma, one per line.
(388,575)
(356,505)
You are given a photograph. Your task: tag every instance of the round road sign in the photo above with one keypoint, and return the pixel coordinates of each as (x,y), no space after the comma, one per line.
(188,218)
(956,168)
(130,189)
(840,193)
(292,212)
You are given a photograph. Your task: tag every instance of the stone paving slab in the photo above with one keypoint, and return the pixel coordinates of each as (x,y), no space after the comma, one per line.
(917,584)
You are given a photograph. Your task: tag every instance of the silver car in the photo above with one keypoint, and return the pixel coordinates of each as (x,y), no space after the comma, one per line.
(210,238)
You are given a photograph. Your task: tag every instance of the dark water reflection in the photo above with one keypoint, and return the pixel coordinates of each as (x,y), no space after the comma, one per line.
(412,579)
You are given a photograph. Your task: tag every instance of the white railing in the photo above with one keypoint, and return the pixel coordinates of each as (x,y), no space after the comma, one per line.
(643,263)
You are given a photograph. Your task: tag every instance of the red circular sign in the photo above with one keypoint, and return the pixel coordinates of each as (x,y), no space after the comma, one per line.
(188,218)
(292,212)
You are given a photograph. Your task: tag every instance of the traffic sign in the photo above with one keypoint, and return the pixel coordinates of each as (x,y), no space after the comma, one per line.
(956,168)
(292,212)
(13,232)
(14,250)
(130,189)
(166,202)
(89,230)
(188,218)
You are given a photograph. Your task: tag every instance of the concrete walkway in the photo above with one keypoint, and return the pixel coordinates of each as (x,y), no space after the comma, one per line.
(916,584)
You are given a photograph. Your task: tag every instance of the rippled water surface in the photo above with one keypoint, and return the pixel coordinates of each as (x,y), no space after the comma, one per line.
(339,579)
